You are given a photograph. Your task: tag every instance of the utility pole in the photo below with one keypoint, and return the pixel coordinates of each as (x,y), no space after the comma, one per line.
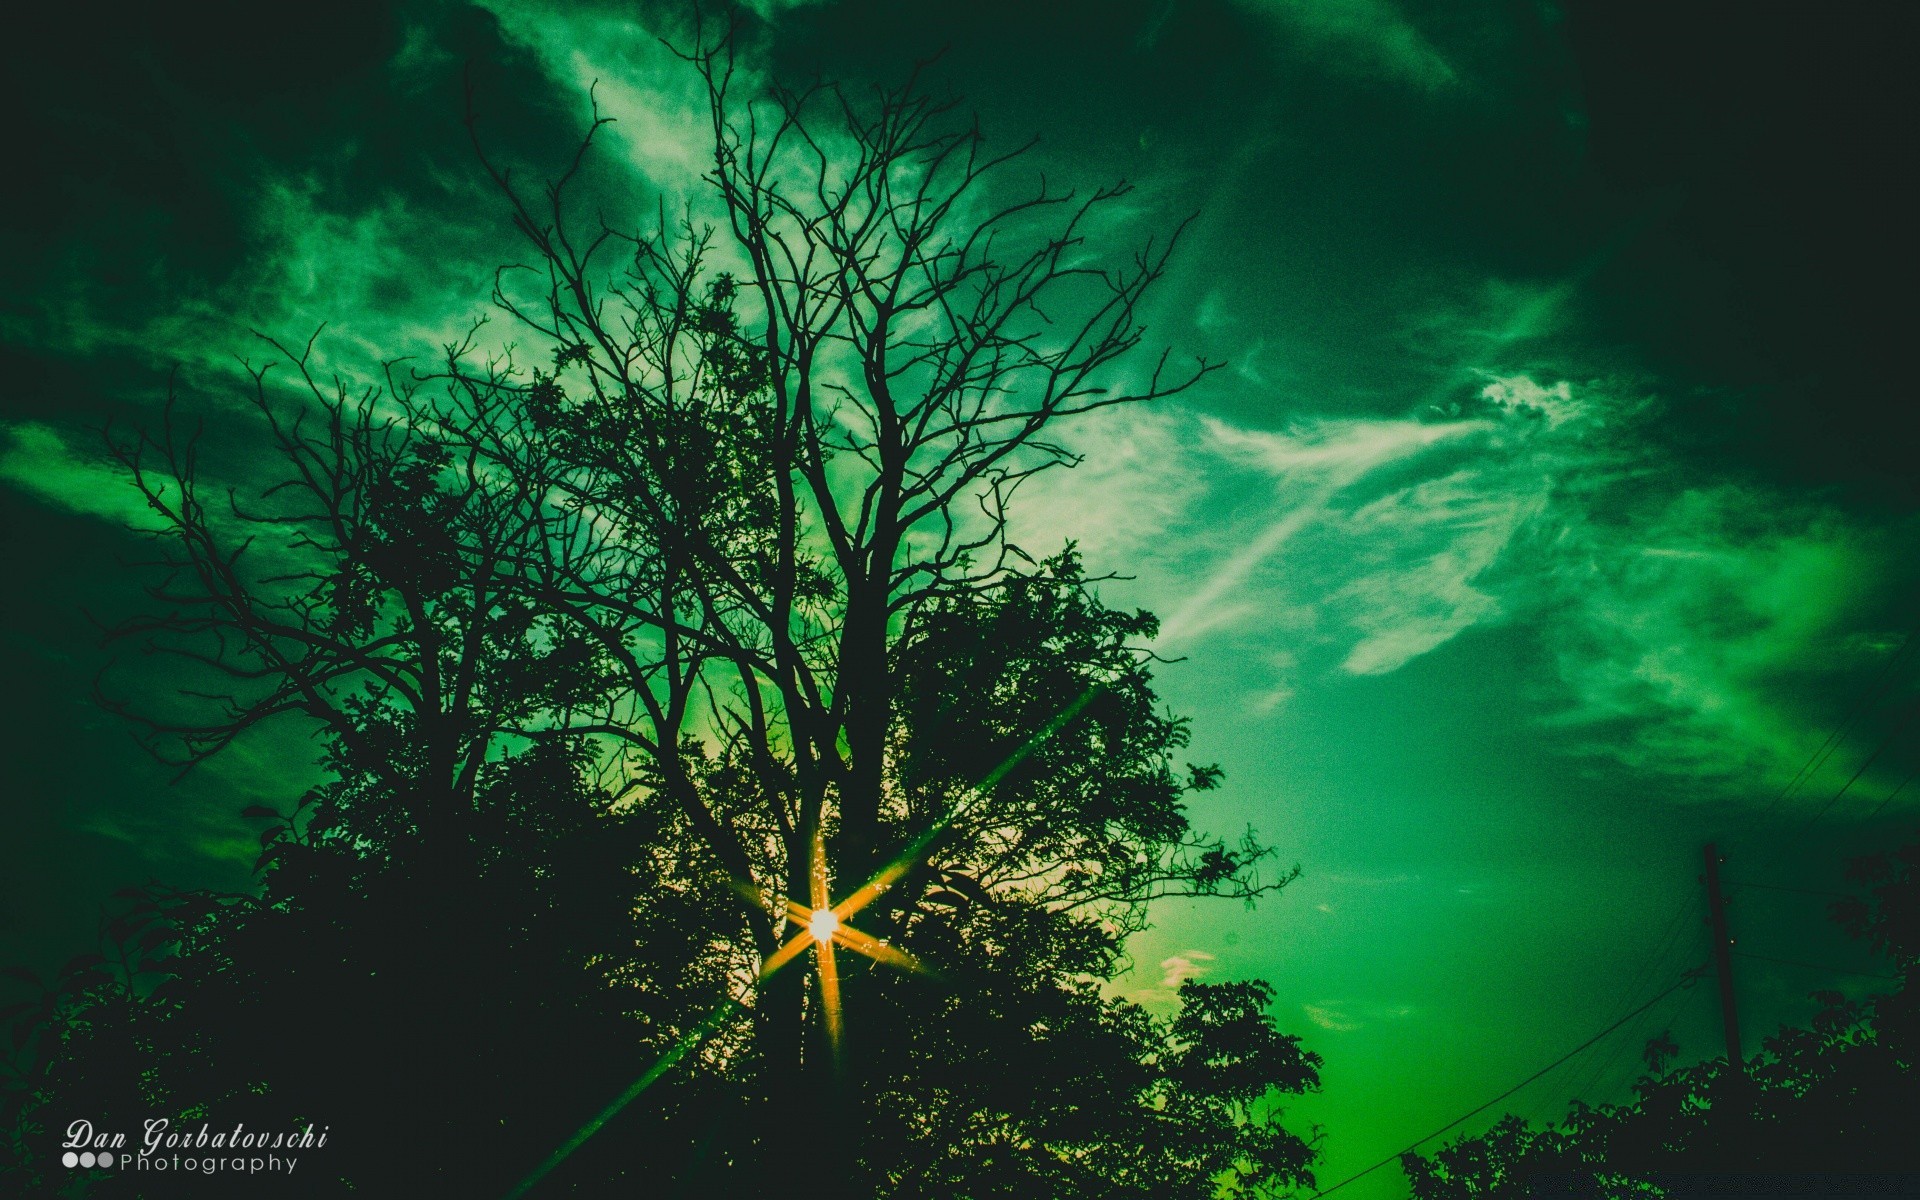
(1723,960)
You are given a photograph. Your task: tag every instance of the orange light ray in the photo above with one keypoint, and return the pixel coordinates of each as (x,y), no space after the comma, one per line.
(860,898)
(910,855)
(829,995)
(873,889)
(817,869)
(879,951)
(795,913)
(764,899)
(785,954)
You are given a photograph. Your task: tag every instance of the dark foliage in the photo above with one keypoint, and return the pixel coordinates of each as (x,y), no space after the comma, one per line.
(1837,1097)
(624,662)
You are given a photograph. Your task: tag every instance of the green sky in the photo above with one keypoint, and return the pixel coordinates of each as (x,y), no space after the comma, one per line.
(1556,503)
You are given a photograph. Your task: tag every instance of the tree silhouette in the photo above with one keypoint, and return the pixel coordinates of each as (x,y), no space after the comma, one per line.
(632,647)
(1834,1097)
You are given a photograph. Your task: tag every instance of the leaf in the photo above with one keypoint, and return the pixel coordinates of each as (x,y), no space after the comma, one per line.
(258,810)
(1204,778)
(81,962)
(967,887)
(272,834)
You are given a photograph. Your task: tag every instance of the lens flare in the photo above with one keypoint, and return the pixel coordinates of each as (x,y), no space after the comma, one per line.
(823,924)
(824,928)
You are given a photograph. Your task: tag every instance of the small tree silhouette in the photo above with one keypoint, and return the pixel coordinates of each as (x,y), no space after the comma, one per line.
(1833,1097)
(1658,1052)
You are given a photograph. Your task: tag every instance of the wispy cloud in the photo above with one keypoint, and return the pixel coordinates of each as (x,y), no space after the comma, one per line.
(1355,546)
(1340,1016)
(658,103)
(1175,969)
(1696,625)
(1356,537)
(1329,546)
(39,461)
(1179,968)
(1372,37)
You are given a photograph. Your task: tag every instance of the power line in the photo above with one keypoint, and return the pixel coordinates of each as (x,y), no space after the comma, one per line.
(1819,757)
(1902,786)
(1688,902)
(1794,962)
(1885,742)
(1622,1060)
(1611,1057)
(1781,887)
(1686,978)
(1601,1065)
(1587,1070)
(1617,1060)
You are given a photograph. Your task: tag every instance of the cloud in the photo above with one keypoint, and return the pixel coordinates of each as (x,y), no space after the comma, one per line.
(658,103)
(390,277)
(1175,970)
(397,272)
(1329,1018)
(1343,1017)
(1329,546)
(1698,624)
(1188,964)
(38,460)
(1359,539)
(1348,879)
(1680,614)
(1370,37)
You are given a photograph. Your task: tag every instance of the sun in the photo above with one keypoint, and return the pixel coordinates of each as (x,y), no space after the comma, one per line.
(823,924)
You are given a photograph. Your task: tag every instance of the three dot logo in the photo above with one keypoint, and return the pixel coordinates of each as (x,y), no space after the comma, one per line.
(88,1159)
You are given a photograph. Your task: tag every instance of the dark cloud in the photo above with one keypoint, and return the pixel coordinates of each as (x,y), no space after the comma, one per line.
(151,132)
(86,810)
(142,124)
(1780,281)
